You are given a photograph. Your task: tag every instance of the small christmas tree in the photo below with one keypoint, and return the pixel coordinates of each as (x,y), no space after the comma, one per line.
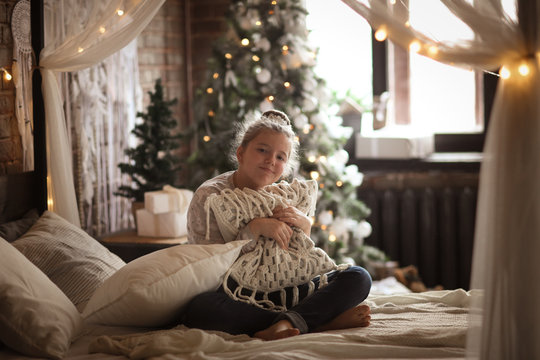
(153,163)
(263,62)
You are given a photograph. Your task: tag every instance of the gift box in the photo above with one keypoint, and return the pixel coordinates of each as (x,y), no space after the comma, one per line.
(169,224)
(167,200)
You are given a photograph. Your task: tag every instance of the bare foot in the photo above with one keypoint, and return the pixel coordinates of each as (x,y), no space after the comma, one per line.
(280,330)
(358,316)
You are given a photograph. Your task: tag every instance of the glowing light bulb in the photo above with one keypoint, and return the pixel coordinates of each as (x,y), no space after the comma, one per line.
(332,238)
(433,50)
(228,56)
(206,138)
(255,58)
(287,84)
(314,175)
(322,159)
(339,183)
(102,29)
(258,23)
(504,72)
(215,75)
(209,90)
(324,227)
(80,50)
(119,12)
(7,75)
(381,34)
(415,46)
(270,98)
(245,42)
(312,158)
(285,48)
(211,113)
(523,69)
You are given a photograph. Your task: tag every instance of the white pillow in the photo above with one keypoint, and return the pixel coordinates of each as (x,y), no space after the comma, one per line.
(37,318)
(77,263)
(152,290)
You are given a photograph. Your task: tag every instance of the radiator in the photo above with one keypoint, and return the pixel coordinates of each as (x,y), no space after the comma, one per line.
(429,224)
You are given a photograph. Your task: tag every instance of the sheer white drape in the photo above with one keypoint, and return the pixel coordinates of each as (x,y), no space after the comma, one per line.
(102,103)
(106,31)
(505,321)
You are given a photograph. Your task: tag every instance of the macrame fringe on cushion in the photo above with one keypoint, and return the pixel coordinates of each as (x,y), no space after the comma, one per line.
(268,268)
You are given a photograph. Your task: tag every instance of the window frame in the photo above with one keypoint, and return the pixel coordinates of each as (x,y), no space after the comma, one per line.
(444,142)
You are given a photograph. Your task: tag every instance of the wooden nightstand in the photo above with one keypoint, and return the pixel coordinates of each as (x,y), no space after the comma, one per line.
(128,245)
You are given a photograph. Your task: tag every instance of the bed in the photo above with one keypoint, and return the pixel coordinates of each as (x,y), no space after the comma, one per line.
(66,295)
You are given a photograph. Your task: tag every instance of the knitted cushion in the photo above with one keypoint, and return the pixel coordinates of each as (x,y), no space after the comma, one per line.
(269,268)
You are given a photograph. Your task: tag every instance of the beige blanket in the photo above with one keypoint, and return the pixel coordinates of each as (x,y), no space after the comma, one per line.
(425,325)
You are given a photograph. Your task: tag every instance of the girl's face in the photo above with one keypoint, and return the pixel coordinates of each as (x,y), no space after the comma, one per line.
(263,160)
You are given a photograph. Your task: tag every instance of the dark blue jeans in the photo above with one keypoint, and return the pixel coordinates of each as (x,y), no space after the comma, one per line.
(217,311)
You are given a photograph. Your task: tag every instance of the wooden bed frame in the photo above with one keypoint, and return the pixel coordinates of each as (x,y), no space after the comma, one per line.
(24,191)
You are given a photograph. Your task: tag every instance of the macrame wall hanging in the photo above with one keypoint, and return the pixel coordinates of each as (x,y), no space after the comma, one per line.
(22,79)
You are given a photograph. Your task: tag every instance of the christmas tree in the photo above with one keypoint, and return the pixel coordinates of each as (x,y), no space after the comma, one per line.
(154,162)
(263,62)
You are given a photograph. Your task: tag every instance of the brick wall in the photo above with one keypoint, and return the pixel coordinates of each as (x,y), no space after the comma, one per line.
(180,29)
(10,140)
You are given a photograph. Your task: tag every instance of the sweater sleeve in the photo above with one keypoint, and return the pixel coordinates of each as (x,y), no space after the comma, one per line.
(198,223)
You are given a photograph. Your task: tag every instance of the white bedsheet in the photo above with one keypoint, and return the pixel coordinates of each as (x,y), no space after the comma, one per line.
(426,325)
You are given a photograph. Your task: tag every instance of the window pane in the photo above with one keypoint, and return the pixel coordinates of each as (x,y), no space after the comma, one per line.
(442,96)
(344,42)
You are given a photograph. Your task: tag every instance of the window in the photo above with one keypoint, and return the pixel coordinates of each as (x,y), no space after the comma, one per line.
(343,41)
(453,103)
(447,104)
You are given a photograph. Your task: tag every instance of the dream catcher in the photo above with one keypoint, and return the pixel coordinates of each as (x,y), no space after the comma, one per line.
(22,79)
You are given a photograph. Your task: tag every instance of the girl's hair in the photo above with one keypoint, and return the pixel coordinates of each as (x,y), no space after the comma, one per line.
(270,120)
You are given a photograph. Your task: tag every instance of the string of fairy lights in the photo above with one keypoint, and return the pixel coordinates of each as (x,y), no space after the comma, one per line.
(521,67)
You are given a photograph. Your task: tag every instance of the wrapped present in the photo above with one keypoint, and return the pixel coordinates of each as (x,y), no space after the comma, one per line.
(170,224)
(168,200)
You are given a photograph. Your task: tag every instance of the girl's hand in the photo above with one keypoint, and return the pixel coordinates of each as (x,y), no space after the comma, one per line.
(271,228)
(293,217)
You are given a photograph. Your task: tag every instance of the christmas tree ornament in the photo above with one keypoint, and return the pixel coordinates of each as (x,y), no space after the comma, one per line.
(326,217)
(353,176)
(300,121)
(364,229)
(263,76)
(309,104)
(263,44)
(265,105)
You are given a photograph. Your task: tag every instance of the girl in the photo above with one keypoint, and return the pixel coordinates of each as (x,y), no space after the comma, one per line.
(267,150)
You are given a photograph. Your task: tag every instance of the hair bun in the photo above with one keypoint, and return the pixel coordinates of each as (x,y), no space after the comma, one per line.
(277,116)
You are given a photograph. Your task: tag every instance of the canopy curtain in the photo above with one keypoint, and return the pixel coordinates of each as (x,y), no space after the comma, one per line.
(102,101)
(111,26)
(505,316)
